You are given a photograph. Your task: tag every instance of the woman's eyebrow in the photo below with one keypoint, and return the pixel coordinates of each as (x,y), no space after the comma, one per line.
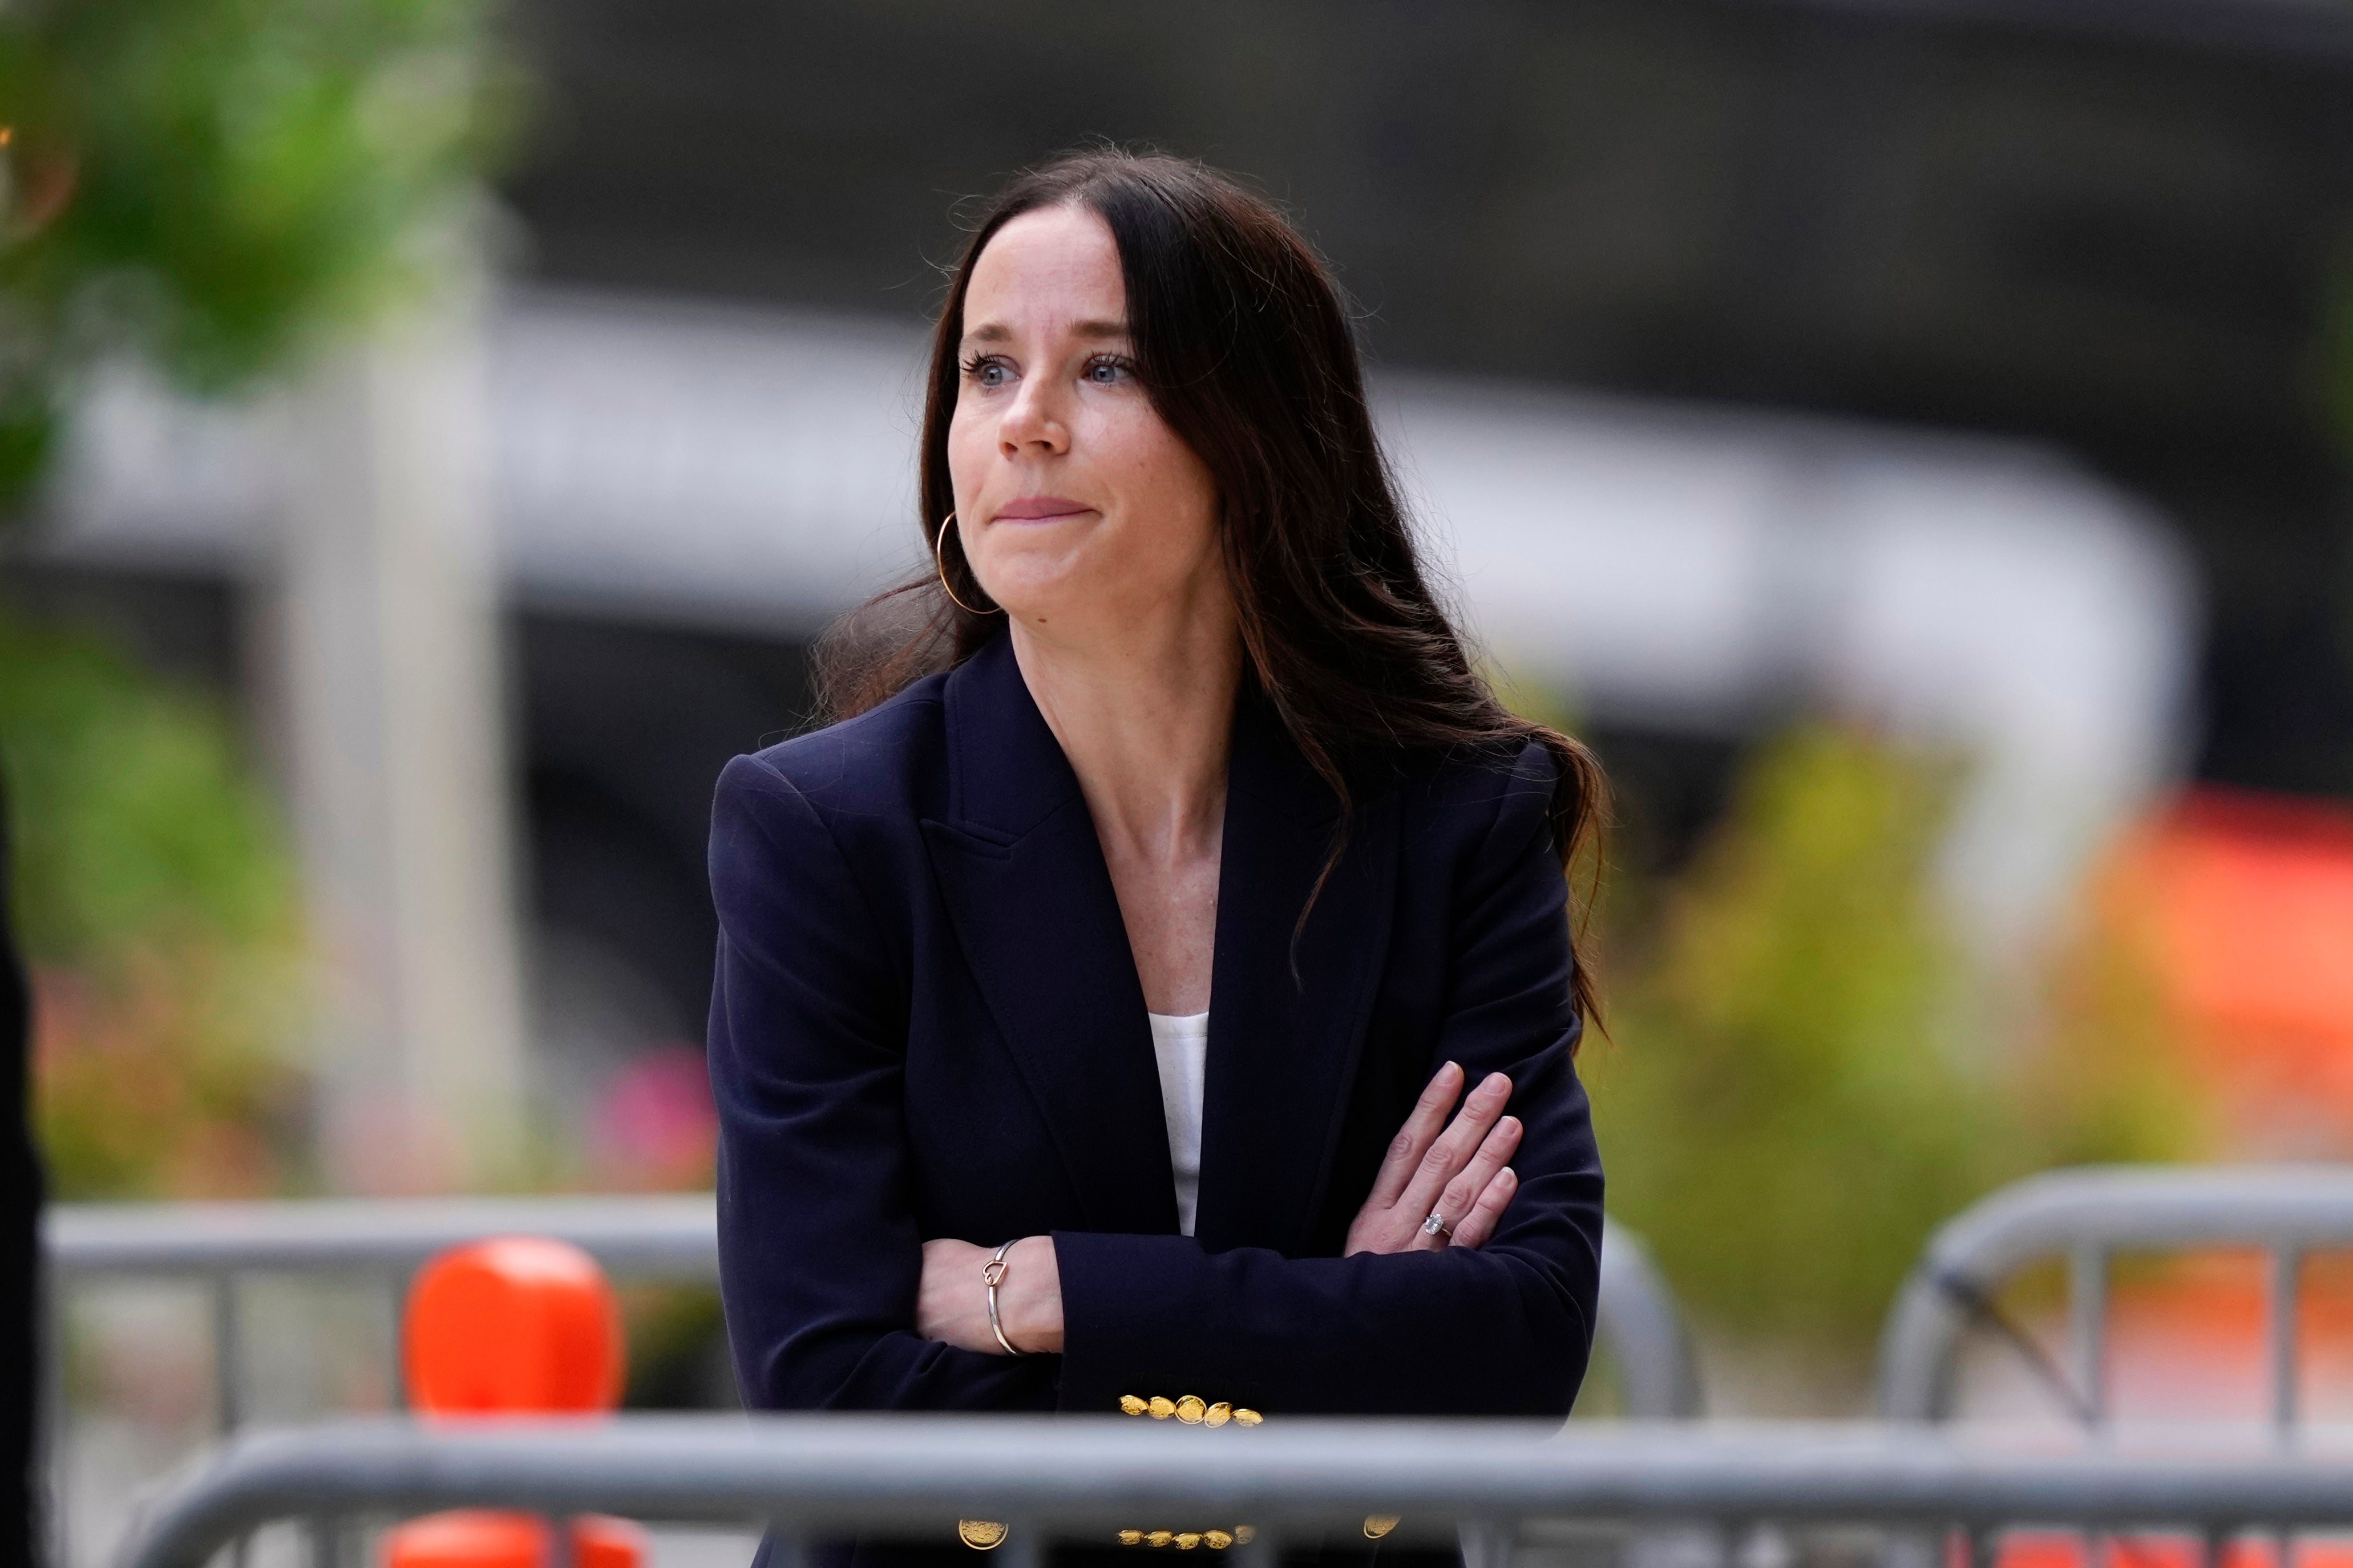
(997,331)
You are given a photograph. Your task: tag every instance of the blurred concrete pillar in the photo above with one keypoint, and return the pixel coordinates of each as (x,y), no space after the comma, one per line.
(391,696)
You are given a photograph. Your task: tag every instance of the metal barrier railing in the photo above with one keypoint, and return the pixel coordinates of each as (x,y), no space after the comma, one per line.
(1637,1321)
(638,1237)
(2087,1217)
(1490,1486)
(219,1244)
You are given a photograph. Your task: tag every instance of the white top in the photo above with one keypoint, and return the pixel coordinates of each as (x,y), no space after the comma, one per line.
(1182,1045)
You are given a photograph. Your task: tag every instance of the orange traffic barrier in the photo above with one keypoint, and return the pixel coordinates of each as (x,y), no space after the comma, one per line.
(489,1538)
(518,1325)
(515,1326)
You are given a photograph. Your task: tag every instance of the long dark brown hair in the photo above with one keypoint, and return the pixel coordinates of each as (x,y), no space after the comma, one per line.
(1241,339)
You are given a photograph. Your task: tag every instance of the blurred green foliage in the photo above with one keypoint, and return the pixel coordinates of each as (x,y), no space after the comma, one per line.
(215,186)
(215,182)
(1805,1076)
(677,1340)
(156,901)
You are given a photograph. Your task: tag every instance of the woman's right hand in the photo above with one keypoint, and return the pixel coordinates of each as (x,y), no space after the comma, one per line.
(1458,1173)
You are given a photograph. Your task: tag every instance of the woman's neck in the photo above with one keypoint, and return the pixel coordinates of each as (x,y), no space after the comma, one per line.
(1144,713)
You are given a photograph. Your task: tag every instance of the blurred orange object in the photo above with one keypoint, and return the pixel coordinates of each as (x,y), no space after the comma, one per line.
(483,1538)
(515,1326)
(2039,1549)
(518,1325)
(2247,901)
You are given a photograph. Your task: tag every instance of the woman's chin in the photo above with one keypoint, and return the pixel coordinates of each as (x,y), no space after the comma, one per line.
(1043,613)
(1033,599)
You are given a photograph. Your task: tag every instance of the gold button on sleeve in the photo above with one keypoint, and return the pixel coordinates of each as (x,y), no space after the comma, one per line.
(1162,1407)
(1248,1417)
(1379,1524)
(1131,1538)
(1160,1537)
(1187,1541)
(1217,1414)
(981,1534)
(1129,1404)
(1218,1540)
(1189,1410)
(1244,1534)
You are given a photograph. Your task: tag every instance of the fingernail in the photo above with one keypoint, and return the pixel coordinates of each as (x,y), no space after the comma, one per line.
(1511,1177)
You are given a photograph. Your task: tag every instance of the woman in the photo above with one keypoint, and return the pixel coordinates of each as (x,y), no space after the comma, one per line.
(1134,943)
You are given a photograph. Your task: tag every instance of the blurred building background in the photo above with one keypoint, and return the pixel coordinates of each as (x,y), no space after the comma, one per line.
(1910,440)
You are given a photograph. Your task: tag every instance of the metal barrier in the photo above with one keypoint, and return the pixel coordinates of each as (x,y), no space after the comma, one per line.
(2087,1217)
(1638,1322)
(672,1238)
(639,1237)
(1488,1485)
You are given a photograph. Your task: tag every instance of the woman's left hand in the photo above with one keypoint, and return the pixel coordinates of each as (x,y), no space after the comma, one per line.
(1458,1175)
(952,1303)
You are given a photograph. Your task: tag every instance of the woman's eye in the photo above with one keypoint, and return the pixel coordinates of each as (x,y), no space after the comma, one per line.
(990,373)
(1106,372)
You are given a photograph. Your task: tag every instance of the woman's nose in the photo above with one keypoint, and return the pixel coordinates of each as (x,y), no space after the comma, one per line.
(1032,423)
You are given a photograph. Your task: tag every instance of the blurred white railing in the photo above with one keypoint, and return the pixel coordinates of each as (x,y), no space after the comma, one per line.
(2087,1217)
(1490,1486)
(638,1237)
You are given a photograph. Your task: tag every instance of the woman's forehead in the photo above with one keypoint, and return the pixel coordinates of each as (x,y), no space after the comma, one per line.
(1053,268)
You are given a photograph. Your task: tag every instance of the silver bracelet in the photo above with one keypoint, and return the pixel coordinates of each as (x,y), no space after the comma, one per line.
(994,1271)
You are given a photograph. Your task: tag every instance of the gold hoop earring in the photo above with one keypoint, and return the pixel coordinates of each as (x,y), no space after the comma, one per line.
(940,564)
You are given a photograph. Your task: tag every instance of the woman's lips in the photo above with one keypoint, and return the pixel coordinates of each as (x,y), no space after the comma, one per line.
(1039,509)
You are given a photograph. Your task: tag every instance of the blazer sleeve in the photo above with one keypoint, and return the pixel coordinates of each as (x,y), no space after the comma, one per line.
(820,1254)
(1501,1330)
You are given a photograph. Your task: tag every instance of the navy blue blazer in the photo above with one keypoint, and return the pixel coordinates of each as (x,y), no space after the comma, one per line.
(927,1023)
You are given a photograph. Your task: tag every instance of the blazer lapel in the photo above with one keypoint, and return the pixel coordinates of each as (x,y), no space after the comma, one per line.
(1284,1045)
(1022,875)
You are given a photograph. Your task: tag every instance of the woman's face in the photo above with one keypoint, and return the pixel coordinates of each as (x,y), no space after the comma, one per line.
(1077,505)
